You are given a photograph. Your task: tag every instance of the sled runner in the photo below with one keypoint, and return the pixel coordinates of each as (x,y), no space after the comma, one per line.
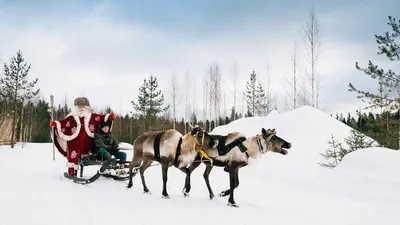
(115,169)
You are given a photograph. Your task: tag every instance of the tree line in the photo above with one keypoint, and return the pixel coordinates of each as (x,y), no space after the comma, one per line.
(155,109)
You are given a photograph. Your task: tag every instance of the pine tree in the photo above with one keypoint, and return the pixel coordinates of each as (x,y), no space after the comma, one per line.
(150,101)
(142,103)
(332,155)
(155,100)
(356,140)
(193,119)
(16,88)
(251,94)
(389,81)
(262,106)
(42,120)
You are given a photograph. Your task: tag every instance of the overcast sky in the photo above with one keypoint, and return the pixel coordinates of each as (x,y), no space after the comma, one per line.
(104,49)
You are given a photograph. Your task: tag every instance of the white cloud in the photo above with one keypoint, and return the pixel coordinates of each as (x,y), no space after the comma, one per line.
(107,60)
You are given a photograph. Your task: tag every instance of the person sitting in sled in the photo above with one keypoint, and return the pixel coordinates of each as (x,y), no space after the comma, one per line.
(105,144)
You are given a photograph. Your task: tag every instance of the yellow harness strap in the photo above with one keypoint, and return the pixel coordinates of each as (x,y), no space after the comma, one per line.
(202,152)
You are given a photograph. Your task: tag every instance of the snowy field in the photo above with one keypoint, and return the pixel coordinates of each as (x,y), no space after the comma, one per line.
(275,189)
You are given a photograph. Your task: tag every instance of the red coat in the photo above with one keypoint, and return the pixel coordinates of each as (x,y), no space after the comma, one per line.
(74,134)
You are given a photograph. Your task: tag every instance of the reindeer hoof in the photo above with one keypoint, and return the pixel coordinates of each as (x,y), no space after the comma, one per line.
(212,197)
(233,205)
(222,194)
(166,197)
(146,192)
(185,194)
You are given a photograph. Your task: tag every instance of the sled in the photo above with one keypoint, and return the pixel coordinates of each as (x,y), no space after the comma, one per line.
(115,169)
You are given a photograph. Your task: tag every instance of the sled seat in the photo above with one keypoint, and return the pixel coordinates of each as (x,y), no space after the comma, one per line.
(90,160)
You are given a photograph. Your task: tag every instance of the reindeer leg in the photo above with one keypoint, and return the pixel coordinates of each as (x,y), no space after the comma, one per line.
(206,178)
(132,173)
(145,165)
(188,172)
(228,192)
(165,179)
(234,182)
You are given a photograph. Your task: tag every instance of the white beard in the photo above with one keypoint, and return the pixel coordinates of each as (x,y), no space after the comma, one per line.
(84,113)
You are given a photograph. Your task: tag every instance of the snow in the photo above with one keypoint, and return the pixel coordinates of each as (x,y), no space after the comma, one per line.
(275,189)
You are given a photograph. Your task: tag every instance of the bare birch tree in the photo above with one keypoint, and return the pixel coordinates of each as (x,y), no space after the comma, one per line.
(235,80)
(187,107)
(214,74)
(269,97)
(175,98)
(311,38)
(205,97)
(293,80)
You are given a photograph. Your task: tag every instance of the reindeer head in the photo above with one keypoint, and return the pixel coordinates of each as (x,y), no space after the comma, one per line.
(274,142)
(202,137)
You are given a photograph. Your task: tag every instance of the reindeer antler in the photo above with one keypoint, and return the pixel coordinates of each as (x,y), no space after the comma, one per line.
(273,131)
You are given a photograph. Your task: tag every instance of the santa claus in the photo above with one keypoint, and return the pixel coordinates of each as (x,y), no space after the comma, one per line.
(74,134)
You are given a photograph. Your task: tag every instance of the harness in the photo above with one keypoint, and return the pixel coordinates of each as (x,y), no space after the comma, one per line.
(201,151)
(267,140)
(157,145)
(178,153)
(224,149)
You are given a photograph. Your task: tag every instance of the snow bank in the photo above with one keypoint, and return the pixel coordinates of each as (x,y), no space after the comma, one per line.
(376,162)
(275,189)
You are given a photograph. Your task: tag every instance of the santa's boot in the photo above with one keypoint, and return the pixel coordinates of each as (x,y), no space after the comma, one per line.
(71,172)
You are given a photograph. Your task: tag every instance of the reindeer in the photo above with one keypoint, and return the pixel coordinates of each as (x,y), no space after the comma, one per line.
(168,148)
(233,152)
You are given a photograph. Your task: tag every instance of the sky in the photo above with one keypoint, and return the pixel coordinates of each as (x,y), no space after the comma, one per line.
(103,50)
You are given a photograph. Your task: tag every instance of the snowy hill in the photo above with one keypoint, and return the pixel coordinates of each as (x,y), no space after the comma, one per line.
(307,128)
(276,189)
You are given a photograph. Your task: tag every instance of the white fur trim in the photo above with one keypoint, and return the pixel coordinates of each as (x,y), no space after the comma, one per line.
(86,121)
(106,118)
(62,143)
(69,137)
(70,165)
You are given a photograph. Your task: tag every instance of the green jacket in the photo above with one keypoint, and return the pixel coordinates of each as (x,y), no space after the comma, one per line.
(106,141)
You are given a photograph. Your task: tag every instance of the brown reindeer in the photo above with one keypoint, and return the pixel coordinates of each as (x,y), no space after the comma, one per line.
(168,148)
(234,152)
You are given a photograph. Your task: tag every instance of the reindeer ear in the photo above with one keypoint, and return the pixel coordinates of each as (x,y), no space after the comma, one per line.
(263,131)
(190,126)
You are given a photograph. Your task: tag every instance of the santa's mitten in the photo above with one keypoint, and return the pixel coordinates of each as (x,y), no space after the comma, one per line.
(112,116)
(52,124)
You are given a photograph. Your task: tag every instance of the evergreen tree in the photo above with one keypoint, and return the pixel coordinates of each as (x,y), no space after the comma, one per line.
(251,94)
(16,88)
(256,97)
(42,120)
(262,106)
(336,153)
(389,81)
(333,155)
(227,120)
(355,141)
(233,114)
(142,103)
(193,119)
(150,101)
(155,100)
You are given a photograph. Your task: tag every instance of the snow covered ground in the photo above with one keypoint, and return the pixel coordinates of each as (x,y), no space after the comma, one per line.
(275,189)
